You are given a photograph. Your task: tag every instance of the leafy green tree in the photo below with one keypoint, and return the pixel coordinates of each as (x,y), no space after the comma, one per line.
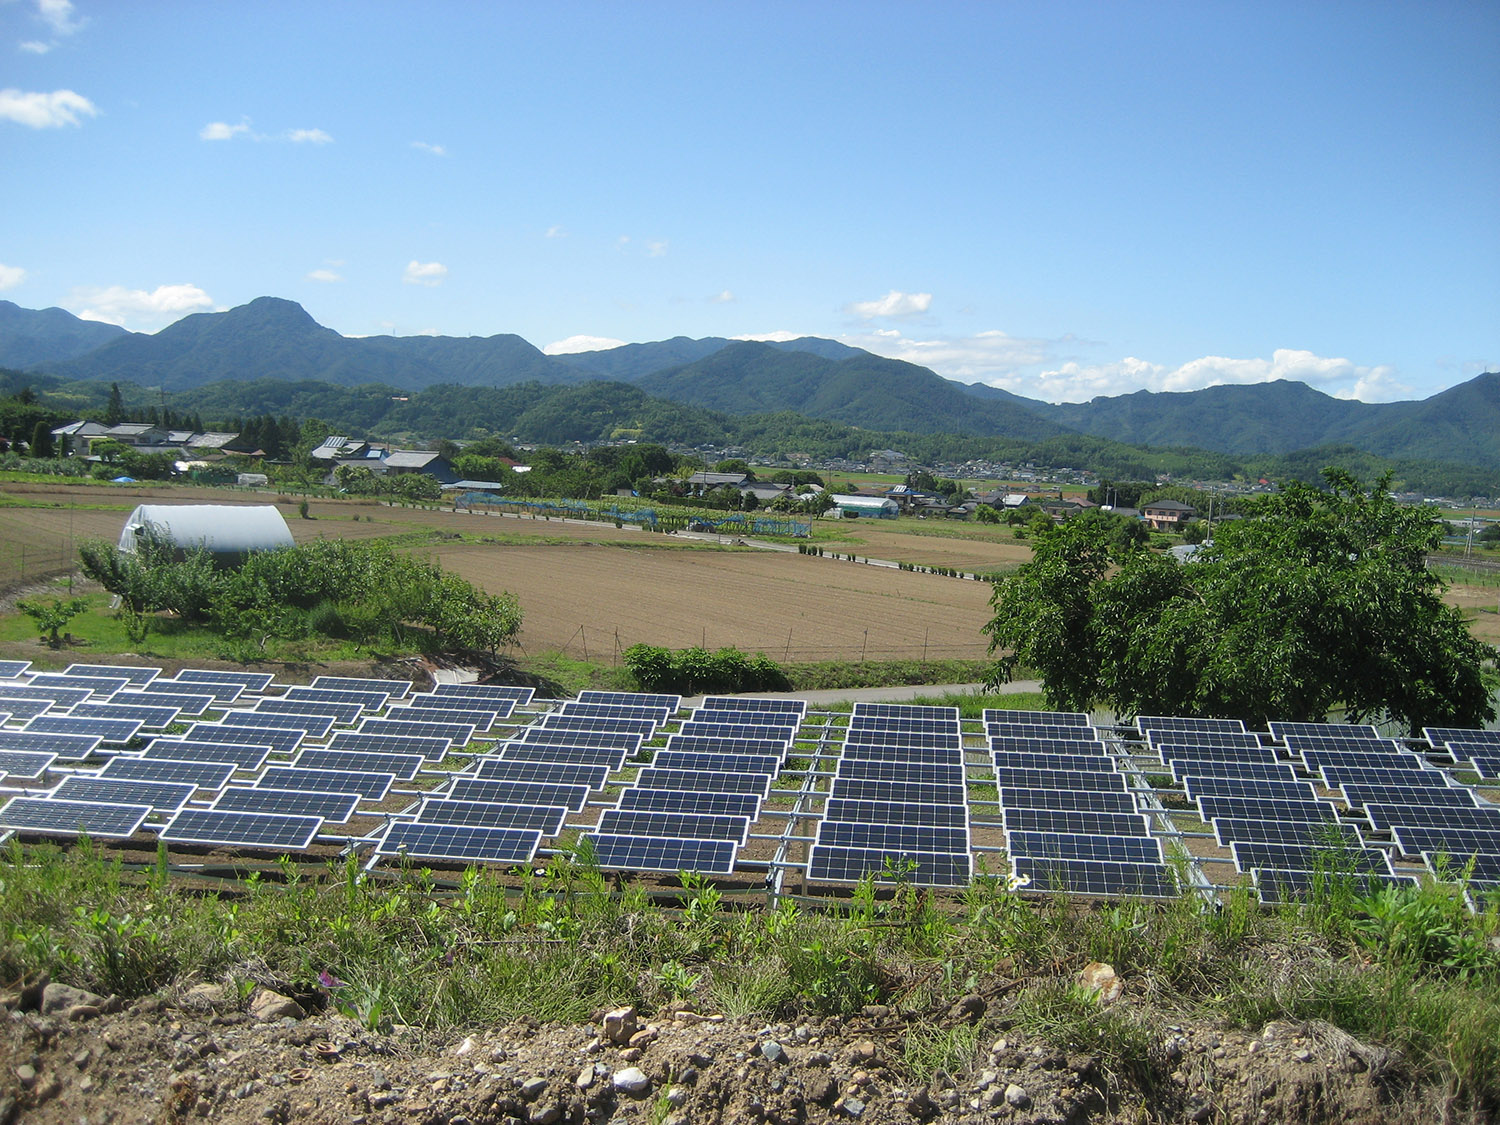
(114,410)
(417,486)
(41,440)
(1320,600)
(52,615)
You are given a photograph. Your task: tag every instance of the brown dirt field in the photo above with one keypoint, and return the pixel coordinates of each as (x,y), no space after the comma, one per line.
(971,547)
(1481,605)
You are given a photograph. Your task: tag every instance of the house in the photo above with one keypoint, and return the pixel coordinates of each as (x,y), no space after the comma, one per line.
(338,448)
(1061,510)
(701,482)
(764,493)
(401,462)
(1167,515)
(138,434)
(76,437)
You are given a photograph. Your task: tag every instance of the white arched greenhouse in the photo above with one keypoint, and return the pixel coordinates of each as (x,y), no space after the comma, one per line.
(228,532)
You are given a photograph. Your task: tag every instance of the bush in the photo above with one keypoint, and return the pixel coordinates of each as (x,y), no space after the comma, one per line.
(692,671)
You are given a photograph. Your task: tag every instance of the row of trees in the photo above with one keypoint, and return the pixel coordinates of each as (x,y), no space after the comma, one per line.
(1320,600)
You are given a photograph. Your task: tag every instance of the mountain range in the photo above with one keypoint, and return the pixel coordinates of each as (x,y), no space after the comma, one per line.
(271,338)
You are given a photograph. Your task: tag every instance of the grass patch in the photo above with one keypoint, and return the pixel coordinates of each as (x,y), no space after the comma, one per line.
(829,674)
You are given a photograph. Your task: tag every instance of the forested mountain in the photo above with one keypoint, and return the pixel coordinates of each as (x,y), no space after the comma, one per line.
(632,361)
(38,337)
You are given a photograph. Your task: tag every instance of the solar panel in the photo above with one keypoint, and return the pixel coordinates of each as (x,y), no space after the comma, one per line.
(932,755)
(1455,795)
(922,773)
(343,714)
(657,715)
(690,801)
(1263,771)
(247,681)
(1075,821)
(433,749)
(893,837)
(674,825)
(25,763)
(457,734)
(1402,759)
(316,726)
(729,763)
(546,819)
(187,703)
(205,775)
(708,781)
(1305,857)
(897,725)
(1485,765)
(1276,885)
(857,789)
(1027,797)
(1334,776)
(26,708)
(97,685)
(367,700)
(220,691)
(281,740)
(896,812)
(539,736)
(1281,730)
(9,669)
(698,744)
(245,757)
(404,766)
(56,696)
(336,808)
(39,816)
(395,689)
(1014,777)
(481,720)
(149,718)
(1044,718)
(632,698)
(1440,735)
(832,864)
(546,773)
(241,829)
(370,786)
(778,724)
(1197,787)
(1096,877)
(901,738)
(162,796)
(1203,753)
(1006,744)
(1302,743)
(1302,833)
(63,745)
(1264,808)
(694,729)
(114,672)
(1383,816)
(1144,723)
(1055,732)
(576,755)
(754,703)
(1482,869)
(459,843)
(905,711)
(571,797)
(658,853)
(1197,738)
(497,709)
(519,696)
(1457,843)
(1092,763)
(1068,845)
(105,730)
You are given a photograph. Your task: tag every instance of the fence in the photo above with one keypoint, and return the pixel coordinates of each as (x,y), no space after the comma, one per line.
(604,644)
(732,523)
(45,556)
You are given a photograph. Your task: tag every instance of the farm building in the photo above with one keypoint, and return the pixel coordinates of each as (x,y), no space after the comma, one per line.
(227,531)
(873,507)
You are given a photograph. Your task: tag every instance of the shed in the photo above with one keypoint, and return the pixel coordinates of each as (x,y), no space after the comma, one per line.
(227,531)
(878,507)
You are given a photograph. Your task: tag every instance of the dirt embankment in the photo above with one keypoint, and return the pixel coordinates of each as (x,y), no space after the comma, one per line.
(210,1054)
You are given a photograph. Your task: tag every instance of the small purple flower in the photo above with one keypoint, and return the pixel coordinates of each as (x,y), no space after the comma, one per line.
(329,981)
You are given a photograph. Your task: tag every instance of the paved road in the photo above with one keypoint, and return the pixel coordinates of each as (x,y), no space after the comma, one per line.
(898,694)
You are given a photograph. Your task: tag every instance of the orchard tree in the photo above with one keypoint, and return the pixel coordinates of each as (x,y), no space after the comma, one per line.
(1319,600)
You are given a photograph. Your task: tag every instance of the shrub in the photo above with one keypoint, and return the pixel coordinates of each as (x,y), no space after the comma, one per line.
(691,671)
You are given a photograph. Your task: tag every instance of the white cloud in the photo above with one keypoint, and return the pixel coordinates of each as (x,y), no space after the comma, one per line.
(11,276)
(137,308)
(985,357)
(36,47)
(656,249)
(575,344)
(556,232)
(424,273)
(435,150)
(780,336)
(222,131)
(893,304)
(45,111)
(622,242)
(723,297)
(326,276)
(59,16)
(309,137)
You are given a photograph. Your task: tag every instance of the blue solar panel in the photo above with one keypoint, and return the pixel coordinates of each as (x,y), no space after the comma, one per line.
(343,714)
(656,853)
(753,703)
(1307,857)
(1282,730)
(1096,800)
(221,692)
(396,689)
(105,730)
(370,786)
(858,789)
(896,812)
(187,703)
(367,700)
(316,726)
(1012,777)
(923,773)
(433,749)
(222,828)
(545,773)
(572,797)
(101,687)
(497,709)
(149,718)
(404,766)
(40,816)
(113,672)
(708,782)
(609,758)
(162,796)
(730,763)
(1069,845)
(1146,723)
(674,825)
(1075,821)
(893,837)
(39,742)
(57,696)
(25,763)
(335,808)
(690,801)
(457,734)
(629,698)
(246,757)
(205,775)
(546,819)
(518,696)
(1096,878)
(9,669)
(834,864)
(1041,730)
(246,681)
(1037,718)
(281,740)
(933,755)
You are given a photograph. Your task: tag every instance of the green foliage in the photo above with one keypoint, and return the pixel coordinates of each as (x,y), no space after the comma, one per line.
(41,440)
(692,671)
(1319,600)
(52,615)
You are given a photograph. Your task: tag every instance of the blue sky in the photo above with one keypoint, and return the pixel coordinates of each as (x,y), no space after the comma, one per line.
(1062,199)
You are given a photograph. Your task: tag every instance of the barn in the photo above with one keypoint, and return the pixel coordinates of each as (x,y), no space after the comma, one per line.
(227,531)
